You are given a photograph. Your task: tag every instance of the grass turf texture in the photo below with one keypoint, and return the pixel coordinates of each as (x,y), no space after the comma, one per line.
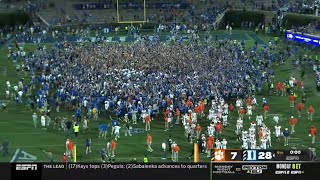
(17,125)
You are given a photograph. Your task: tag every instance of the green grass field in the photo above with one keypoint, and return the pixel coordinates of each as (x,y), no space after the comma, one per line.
(16,124)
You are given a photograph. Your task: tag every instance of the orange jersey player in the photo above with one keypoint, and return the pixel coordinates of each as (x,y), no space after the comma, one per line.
(166,123)
(148,122)
(310,112)
(219,127)
(149,143)
(189,103)
(209,146)
(266,110)
(278,88)
(242,112)
(293,122)
(313,134)
(70,148)
(113,147)
(292,100)
(178,114)
(176,150)
(300,107)
(198,131)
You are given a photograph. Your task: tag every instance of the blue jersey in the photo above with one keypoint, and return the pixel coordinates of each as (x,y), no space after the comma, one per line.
(103,127)
(115,122)
(286,133)
(88,142)
(102,152)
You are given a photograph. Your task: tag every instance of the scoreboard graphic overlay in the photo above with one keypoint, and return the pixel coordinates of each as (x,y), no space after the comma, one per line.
(225,164)
(263,163)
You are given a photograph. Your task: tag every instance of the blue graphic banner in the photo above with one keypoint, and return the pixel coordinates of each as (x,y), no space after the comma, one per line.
(303,38)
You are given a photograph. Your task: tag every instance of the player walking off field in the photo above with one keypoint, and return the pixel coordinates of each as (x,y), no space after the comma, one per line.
(176,150)
(113,147)
(293,122)
(300,107)
(286,137)
(149,143)
(88,146)
(310,112)
(103,154)
(35,119)
(313,134)
(164,149)
(148,121)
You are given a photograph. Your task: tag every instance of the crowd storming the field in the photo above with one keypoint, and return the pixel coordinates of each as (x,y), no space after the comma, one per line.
(198,87)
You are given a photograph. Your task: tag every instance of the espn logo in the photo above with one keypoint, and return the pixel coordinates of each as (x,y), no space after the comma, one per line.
(26,167)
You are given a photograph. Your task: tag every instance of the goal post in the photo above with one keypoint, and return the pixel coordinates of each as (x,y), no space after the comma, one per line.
(132,21)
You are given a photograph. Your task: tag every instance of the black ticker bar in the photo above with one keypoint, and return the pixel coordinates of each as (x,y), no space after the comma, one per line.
(204,171)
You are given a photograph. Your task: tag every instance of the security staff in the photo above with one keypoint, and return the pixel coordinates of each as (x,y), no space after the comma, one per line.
(145,159)
(76,128)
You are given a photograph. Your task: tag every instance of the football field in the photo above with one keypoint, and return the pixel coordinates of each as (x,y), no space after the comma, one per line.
(27,143)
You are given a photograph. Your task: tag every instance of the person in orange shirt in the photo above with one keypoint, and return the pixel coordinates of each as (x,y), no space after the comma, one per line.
(242,112)
(202,109)
(113,147)
(310,112)
(266,110)
(302,85)
(300,107)
(209,146)
(189,103)
(166,123)
(278,88)
(178,114)
(313,134)
(176,150)
(149,143)
(198,131)
(292,100)
(148,121)
(219,128)
(70,148)
(293,122)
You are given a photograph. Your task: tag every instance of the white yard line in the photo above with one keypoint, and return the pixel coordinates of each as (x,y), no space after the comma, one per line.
(14,157)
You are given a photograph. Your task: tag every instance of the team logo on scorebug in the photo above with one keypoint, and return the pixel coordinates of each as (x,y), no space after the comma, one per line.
(219,155)
(26,167)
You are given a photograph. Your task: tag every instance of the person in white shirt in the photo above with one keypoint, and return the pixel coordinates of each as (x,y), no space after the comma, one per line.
(106,105)
(277,131)
(249,111)
(252,130)
(268,137)
(253,144)
(218,144)
(211,129)
(35,119)
(276,119)
(164,149)
(117,132)
(224,143)
(238,130)
(245,143)
(134,116)
(259,120)
(43,121)
(143,115)
(210,116)
(225,120)
(264,143)
(85,123)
